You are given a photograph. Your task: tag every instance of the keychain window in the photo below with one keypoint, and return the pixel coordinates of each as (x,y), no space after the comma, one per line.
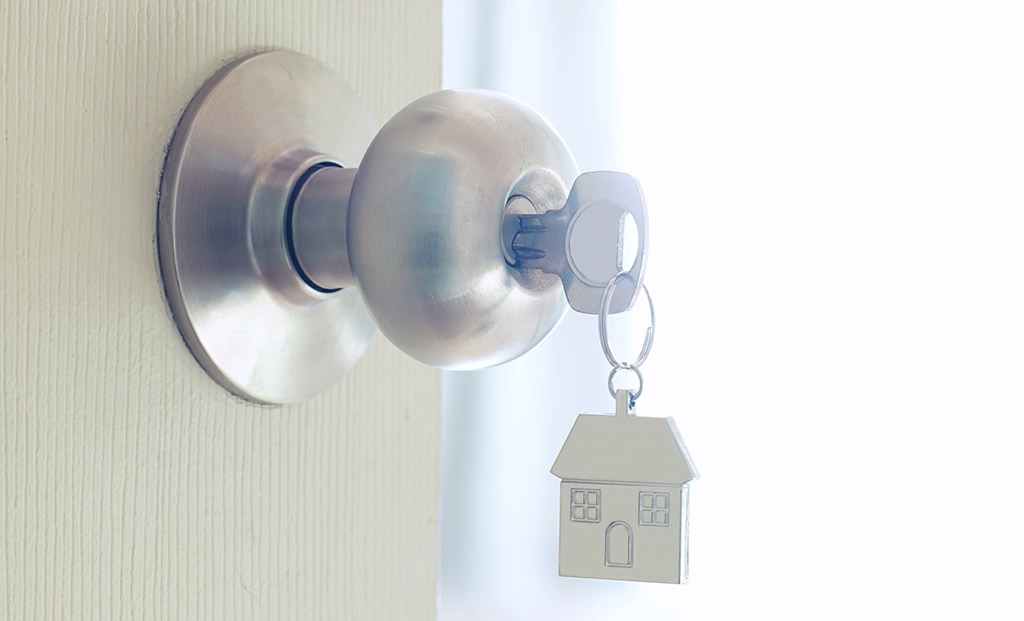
(653,509)
(586,505)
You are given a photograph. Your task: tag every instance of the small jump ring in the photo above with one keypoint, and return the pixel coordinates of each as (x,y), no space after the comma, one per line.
(633,396)
(602,323)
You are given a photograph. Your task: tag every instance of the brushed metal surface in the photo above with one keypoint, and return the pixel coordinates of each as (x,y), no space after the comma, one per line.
(281,232)
(584,242)
(320,228)
(425,227)
(241,148)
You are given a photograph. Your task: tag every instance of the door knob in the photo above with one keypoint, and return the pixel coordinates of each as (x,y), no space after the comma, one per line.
(290,228)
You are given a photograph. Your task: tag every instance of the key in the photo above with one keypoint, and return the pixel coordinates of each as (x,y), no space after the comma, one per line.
(582,243)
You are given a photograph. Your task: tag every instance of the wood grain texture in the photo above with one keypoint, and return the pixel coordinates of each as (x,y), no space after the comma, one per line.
(132,485)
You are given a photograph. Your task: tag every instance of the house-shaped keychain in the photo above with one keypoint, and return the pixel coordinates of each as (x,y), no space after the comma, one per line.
(624,498)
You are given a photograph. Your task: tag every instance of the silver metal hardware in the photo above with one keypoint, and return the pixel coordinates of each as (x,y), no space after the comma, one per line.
(624,498)
(625,494)
(602,322)
(633,394)
(583,242)
(244,144)
(602,330)
(290,229)
(319,220)
(425,220)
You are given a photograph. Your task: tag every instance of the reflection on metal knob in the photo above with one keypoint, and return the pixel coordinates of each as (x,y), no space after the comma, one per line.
(289,228)
(425,222)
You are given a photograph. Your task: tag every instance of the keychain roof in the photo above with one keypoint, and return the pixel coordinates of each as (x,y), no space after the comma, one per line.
(625,449)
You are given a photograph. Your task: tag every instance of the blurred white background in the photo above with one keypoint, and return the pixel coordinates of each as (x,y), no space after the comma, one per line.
(836,193)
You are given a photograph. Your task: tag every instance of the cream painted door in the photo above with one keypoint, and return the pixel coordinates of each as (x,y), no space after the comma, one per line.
(133,486)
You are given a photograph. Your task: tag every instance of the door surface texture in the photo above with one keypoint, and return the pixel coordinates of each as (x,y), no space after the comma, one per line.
(132,486)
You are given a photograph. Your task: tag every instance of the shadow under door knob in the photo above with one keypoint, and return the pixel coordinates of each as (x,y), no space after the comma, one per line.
(289,228)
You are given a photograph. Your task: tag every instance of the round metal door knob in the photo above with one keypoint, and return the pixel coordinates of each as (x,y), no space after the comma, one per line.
(289,228)
(425,221)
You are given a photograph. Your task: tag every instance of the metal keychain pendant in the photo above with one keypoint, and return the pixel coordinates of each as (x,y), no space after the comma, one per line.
(624,495)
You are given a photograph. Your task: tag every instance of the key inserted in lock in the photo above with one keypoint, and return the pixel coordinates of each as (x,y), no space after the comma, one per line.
(290,230)
(583,242)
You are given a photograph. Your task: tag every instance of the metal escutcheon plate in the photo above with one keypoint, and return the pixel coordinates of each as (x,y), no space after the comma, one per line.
(244,141)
